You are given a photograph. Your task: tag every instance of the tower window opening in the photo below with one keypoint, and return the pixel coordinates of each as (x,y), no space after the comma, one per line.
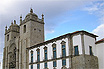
(24,28)
(7,37)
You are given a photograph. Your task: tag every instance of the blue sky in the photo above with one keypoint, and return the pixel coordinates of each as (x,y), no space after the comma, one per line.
(74,20)
(61,16)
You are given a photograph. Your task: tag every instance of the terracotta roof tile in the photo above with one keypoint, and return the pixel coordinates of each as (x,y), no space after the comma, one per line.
(99,41)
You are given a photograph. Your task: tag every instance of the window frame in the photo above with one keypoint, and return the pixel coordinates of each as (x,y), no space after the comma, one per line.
(63,43)
(38,59)
(45,57)
(54,55)
(76,54)
(63,62)
(54,64)
(90,50)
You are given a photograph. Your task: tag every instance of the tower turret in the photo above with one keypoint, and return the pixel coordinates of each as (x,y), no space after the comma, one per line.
(42,18)
(5,29)
(14,21)
(31,10)
(13,29)
(20,19)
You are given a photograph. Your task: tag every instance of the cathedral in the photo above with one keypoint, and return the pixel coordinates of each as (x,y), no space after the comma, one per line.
(25,47)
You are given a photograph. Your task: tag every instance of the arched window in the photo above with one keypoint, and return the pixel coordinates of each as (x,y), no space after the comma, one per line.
(38,54)
(63,48)
(54,50)
(45,56)
(54,54)
(45,53)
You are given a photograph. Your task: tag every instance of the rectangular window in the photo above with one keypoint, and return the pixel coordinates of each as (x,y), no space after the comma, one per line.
(64,53)
(24,28)
(45,56)
(76,52)
(63,62)
(38,58)
(90,48)
(54,54)
(46,51)
(54,48)
(31,66)
(7,37)
(63,46)
(45,65)
(54,63)
(38,66)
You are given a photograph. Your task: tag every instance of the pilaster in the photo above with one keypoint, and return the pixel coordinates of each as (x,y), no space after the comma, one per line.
(83,49)
(20,55)
(27,55)
(70,44)
(17,59)
(6,65)
(82,42)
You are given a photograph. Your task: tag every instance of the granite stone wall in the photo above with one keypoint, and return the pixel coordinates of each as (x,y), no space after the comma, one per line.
(85,62)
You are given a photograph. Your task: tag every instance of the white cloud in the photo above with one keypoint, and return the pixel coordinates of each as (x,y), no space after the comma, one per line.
(99,31)
(91,9)
(97,8)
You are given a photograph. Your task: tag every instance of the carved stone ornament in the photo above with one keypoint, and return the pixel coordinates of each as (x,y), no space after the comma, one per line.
(12,57)
(63,67)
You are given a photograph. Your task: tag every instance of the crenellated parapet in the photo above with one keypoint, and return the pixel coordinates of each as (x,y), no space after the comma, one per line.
(33,17)
(12,28)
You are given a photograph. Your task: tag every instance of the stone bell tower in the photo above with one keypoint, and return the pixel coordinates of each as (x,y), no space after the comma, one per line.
(9,55)
(31,33)
(19,37)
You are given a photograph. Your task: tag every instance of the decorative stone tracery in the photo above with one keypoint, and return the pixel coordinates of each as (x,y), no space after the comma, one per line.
(12,56)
